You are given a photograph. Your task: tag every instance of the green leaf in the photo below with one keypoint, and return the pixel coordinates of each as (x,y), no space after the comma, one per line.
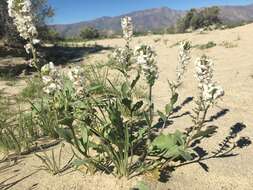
(147,119)
(135,81)
(174,99)
(94,88)
(79,162)
(124,89)
(115,117)
(162,116)
(171,145)
(163,142)
(66,121)
(84,134)
(186,155)
(127,102)
(66,134)
(137,106)
(168,108)
(179,137)
(141,185)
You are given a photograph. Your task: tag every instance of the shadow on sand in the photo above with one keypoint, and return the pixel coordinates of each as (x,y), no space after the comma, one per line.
(59,55)
(225,149)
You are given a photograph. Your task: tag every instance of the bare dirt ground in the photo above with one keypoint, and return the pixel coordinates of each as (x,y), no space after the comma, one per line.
(233,70)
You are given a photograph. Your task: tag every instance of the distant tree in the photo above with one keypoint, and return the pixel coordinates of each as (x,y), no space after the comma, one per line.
(52,36)
(89,33)
(42,12)
(211,15)
(195,19)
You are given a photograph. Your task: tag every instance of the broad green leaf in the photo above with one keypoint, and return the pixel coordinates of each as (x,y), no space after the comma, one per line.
(179,137)
(171,145)
(163,142)
(186,155)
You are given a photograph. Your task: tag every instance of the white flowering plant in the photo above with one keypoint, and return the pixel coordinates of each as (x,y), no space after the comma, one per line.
(116,128)
(114,131)
(208,96)
(23,19)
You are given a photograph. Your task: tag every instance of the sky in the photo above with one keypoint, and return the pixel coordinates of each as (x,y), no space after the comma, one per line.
(71,11)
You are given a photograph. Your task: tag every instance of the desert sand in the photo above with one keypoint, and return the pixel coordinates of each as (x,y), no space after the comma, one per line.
(233,71)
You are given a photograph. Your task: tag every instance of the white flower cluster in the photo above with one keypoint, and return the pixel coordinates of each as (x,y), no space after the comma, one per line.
(51,79)
(183,60)
(20,11)
(204,70)
(120,55)
(127,28)
(210,91)
(146,58)
(76,76)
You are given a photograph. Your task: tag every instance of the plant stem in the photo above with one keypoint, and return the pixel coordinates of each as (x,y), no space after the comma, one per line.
(200,124)
(34,55)
(151,104)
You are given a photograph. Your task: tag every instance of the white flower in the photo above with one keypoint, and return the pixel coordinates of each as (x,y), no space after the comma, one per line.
(46,79)
(51,78)
(127,28)
(142,60)
(120,55)
(36,41)
(210,92)
(51,88)
(20,11)
(28,47)
(183,60)
(76,75)
(48,68)
(204,70)
(146,58)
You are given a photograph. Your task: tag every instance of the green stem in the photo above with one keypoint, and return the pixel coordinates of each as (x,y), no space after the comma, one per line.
(34,55)
(151,104)
(200,124)
(76,141)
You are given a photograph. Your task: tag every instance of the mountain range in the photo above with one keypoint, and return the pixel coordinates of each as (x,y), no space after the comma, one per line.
(151,19)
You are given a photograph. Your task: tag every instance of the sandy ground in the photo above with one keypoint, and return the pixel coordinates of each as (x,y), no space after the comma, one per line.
(233,70)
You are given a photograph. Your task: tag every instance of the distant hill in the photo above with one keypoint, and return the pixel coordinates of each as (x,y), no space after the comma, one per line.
(151,19)
(237,13)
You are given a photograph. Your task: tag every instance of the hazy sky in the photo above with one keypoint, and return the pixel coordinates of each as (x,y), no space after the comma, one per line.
(69,11)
